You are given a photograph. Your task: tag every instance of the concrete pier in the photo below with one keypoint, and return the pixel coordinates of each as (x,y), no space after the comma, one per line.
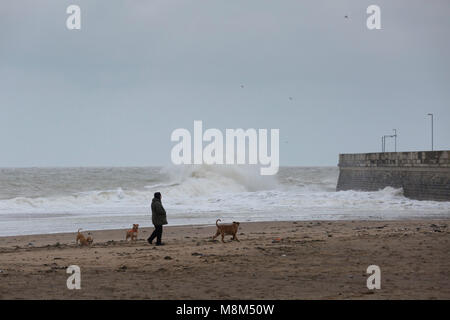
(423,175)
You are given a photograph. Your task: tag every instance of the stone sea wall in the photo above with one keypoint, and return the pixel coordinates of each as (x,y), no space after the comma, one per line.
(423,175)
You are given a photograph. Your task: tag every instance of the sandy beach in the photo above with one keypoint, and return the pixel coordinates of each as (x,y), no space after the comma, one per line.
(273,260)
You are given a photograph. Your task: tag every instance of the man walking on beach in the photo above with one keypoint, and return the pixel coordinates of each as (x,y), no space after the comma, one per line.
(159,219)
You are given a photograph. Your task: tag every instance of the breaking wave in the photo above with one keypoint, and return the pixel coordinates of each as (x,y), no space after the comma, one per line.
(194,194)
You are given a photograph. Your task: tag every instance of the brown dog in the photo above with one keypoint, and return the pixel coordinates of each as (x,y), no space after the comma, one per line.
(227,229)
(83,241)
(132,233)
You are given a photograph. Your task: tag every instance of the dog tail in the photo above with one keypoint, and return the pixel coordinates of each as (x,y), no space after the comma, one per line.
(217,221)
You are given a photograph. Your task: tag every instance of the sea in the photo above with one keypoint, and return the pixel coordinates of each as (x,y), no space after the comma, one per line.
(52,200)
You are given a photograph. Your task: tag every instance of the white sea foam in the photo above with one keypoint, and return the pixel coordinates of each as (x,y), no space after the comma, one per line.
(194,195)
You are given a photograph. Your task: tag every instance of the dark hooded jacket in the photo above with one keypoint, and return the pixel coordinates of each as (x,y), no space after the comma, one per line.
(159,217)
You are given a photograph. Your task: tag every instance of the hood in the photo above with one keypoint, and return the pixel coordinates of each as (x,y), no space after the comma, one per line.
(156,199)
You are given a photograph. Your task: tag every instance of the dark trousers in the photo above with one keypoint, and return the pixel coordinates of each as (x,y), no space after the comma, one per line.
(157,233)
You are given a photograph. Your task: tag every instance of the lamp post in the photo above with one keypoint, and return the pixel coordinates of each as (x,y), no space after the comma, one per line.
(430,114)
(384,141)
(395,136)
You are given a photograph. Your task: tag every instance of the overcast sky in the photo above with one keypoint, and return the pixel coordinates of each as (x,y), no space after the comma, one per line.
(113,92)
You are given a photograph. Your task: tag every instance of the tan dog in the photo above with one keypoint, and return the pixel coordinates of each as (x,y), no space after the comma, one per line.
(83,241)
(227,229)
(132,233)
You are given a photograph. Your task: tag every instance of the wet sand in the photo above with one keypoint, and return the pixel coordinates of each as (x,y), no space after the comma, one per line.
(273,260)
